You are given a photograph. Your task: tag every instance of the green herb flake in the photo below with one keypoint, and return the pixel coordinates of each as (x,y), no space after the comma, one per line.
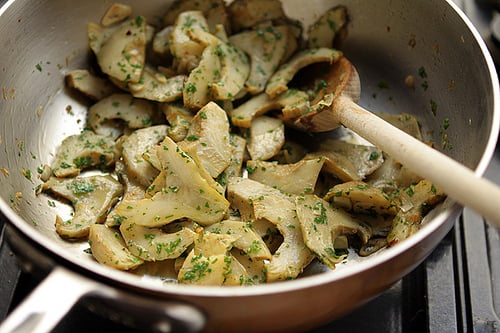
(422,73)
(27,174)
(374,155)
(80,186)
(192,138)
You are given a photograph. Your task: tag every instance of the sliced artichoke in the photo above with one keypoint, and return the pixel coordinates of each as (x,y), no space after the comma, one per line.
(323,32)
(254,269)
(123,54)
(131,190)
(155,86)
(109,249)
(209,244)
(90,85)
(185,194)
(210,138)
(161,42)
(279,81)
(238,274)
(291,103)
(154,244)
(227,81)
(91,198)
(392,176)
(234,169)
(206,271)
(186,51)
(291,152)
(153,156)
(297,178)
(134,112)
(213,10)
(248,13)
(348,161)
(267,137)
(117,12)
(266,49)
(235,68)
(209,262)
(249,241)
(179,118)
(362,198)
(197,91)
(404,122)
(82,151)
(321,225)
(133,147)
(279,208)
(414,202)
(98,34)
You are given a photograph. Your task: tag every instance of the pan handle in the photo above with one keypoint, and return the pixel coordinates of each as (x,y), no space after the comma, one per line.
(52,299)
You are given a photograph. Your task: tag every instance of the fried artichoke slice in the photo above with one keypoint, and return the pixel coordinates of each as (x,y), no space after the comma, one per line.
(94,87)
(121,50)
(154,244)
(234,169)
(230,68)
(248,13)
(209,262)
(185,50)
(249,241)
(138,169)
(209,137)
(155,86)
(133,112)
(279,208)
(348,161)
(185,193)
(213,10)
(298,178)
(321,225)
(109,249)
(323,32)
(278,83)
(235,68)
(414,202)
(405,122)
(117,12)
(179,119)
(266,49)
(197,90)
(82,151)
(91,197)
(267,137)
(291,103)
(359,197)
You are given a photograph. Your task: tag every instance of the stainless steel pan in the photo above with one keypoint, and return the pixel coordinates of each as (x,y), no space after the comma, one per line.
(388,41)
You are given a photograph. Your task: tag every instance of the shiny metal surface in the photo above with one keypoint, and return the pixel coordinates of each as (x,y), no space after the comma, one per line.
(388,41)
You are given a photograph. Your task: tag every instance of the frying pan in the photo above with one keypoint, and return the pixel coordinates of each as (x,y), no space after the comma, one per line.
(388,41)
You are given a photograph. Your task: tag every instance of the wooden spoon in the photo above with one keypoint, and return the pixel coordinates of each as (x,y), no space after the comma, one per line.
(456,180)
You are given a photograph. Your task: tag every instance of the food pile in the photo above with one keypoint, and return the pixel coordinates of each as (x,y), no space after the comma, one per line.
(201,181)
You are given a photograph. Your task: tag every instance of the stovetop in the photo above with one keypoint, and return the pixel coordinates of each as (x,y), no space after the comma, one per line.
(457,288)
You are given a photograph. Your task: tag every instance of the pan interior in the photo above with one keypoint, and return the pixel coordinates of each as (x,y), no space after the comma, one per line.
(43,40)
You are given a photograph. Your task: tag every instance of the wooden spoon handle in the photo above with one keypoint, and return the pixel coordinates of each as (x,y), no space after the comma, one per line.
(457,181)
